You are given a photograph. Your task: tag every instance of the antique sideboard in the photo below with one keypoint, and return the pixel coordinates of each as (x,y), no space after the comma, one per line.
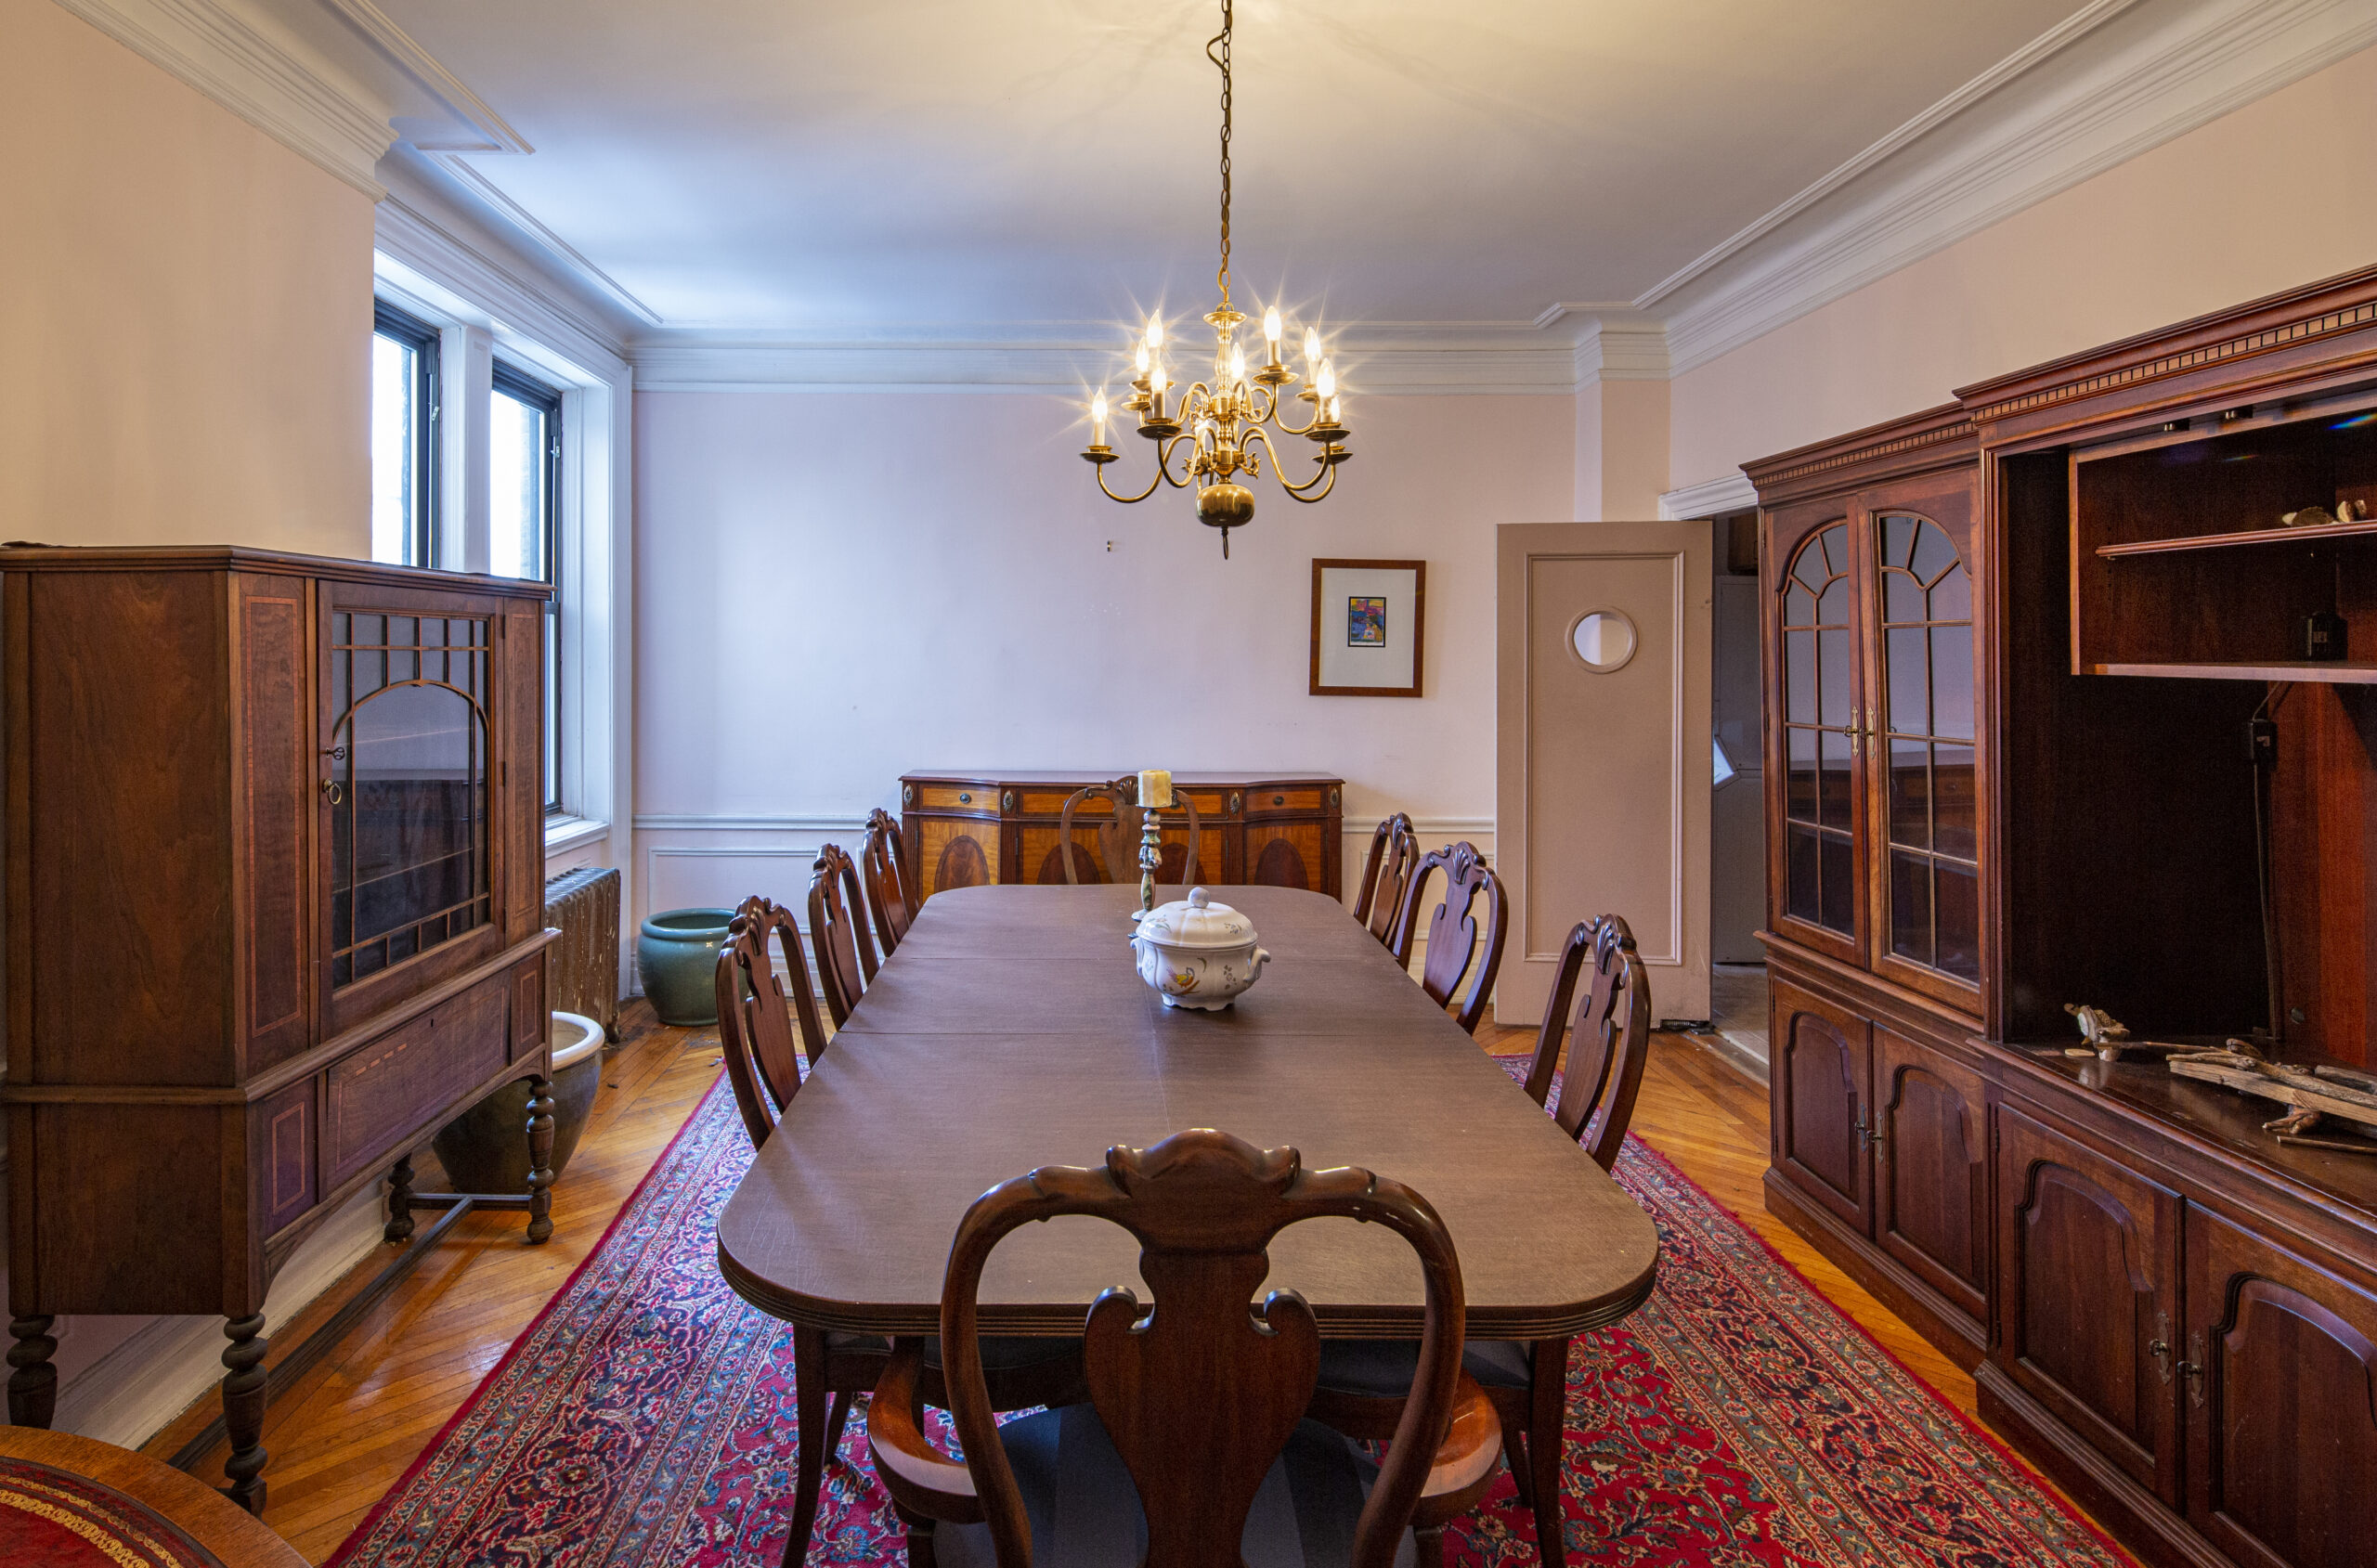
(1285,830)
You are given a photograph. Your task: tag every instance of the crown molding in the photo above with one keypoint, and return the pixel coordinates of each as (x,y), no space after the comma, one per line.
(2081,99)
(1711,498)
(1067,360)
(408,229)
(397,47)
(233,55)
(1618,346)
(480,188)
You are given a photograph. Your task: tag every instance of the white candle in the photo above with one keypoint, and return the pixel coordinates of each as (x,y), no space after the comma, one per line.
(1155,787)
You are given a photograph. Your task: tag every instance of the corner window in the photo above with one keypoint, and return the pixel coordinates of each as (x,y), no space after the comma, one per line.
(404,438)
(523,517)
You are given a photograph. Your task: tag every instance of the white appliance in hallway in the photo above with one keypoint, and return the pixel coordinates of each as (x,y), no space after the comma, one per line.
(1603,759)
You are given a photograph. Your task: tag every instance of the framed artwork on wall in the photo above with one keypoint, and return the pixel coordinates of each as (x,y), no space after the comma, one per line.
(1368,628)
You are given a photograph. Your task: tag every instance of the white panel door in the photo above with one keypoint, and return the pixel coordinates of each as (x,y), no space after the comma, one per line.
(1602,764)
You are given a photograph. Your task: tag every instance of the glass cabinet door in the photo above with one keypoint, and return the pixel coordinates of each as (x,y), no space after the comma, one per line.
(409,867)
(1879,811)
(1929,806)
(1820,866)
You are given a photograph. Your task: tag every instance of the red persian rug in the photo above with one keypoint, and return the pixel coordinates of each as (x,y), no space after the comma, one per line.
(646,1417)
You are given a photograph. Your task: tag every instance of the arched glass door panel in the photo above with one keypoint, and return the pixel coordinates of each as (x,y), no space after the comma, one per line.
(1927,733)
(409,807)
(1819,720)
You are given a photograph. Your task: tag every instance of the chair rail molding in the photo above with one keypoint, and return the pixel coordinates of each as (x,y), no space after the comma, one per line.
(234,55)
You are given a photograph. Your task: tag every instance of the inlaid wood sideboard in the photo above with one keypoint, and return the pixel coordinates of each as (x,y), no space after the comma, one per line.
(274,916)
(962,829)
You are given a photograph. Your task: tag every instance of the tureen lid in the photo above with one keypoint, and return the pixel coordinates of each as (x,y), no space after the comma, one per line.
(1196,921)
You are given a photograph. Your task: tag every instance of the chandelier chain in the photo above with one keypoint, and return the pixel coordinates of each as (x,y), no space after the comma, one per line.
(1222,59)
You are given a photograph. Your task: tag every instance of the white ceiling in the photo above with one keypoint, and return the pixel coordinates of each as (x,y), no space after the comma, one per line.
(931,164)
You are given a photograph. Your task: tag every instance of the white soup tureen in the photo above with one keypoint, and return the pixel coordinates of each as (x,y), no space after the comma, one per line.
(1196,952)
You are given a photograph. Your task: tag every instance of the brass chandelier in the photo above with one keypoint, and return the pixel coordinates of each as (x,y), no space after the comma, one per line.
(1217,427)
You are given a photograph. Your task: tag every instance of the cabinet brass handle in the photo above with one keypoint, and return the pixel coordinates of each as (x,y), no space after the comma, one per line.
(963,799)
(2160,1351)
(2192,1369)
(332,792)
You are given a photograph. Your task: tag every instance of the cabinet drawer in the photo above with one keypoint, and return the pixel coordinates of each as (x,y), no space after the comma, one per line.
(958,797)
(378,1096)
(1051,803)
(1306,798)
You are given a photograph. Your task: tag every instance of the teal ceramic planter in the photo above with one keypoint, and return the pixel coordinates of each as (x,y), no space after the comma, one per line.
(676,955)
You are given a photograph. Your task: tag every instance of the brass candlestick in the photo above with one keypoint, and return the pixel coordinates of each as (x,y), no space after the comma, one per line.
(1150,856)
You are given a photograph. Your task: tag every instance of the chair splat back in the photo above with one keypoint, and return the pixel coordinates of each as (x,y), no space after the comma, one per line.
(755,1017)
(845,952)
(889,896)
(1456,945)
(1574,953)
(1608,1048)
(1201,1395)
(1117,837)
(1395,850)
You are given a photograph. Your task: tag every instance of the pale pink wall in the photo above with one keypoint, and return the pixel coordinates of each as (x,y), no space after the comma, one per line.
(185,326)
(2279,193)
(833,590)
(185,306)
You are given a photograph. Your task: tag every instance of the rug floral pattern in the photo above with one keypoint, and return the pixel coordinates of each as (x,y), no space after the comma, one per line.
(1738,1419)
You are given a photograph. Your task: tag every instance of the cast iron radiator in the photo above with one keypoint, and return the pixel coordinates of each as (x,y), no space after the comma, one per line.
(582,969)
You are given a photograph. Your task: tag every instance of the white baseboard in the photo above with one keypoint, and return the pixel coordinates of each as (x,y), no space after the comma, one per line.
(130,1394)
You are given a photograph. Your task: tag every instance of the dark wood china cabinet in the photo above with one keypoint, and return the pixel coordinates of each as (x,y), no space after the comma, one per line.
(274,914)
(2060,710)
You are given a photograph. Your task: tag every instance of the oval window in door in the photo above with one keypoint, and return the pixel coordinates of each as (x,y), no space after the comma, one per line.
(1819,669)
(1926,724)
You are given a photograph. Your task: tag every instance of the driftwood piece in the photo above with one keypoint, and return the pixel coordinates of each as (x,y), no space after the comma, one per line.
(2299,1087)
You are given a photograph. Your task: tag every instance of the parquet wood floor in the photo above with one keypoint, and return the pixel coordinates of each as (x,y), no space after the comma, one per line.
(355,1424)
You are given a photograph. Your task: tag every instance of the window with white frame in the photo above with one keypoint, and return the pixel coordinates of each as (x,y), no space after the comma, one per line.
(531,408)
(524,520)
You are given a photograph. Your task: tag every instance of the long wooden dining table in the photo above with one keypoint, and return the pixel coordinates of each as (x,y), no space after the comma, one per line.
(1012,1031)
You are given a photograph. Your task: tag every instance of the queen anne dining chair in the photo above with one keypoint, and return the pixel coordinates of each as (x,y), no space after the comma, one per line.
(757,1011)
(838,925)
(1363,1381)
(1387,869)
(1193,1451)
(1456,945)
(889,896)
(1117,836)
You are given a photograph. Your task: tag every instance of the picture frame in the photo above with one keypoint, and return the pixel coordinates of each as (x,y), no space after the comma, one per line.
(1368,627)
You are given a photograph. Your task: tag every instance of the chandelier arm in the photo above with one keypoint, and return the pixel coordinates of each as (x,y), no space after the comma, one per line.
(1284,428)
(1163,461)
(1326,479)
(1269,405)
(1131,501)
